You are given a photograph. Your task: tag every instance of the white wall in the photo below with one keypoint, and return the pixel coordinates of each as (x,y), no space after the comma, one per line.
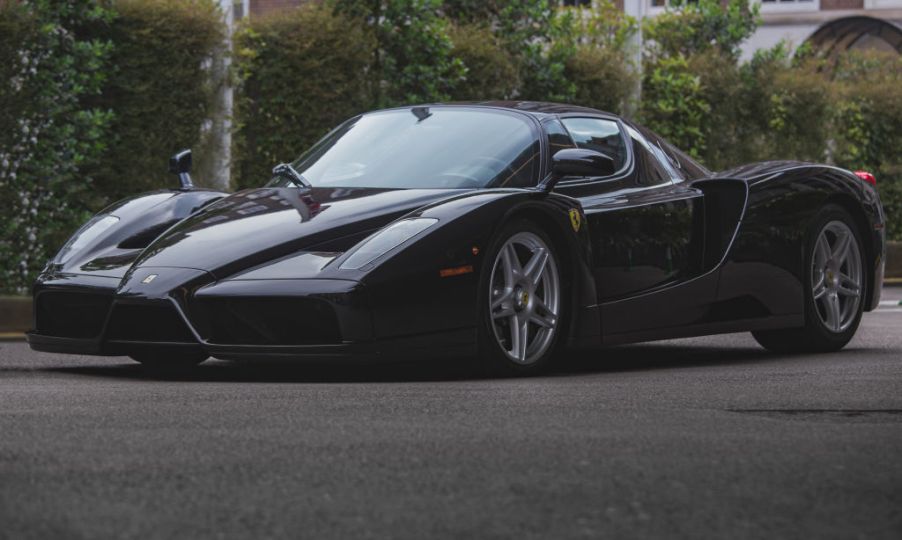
(768,36)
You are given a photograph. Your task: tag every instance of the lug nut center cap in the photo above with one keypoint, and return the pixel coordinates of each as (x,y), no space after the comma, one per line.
(521,297)
(831,277)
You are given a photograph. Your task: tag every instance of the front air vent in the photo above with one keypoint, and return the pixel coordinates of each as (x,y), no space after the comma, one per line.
(143,238)
(269,321)
(155,323)
(71,314)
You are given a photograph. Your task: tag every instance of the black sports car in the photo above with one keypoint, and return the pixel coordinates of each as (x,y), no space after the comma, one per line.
(499,229)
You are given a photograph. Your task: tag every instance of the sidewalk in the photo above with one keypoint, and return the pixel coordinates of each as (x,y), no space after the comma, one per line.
(15,316)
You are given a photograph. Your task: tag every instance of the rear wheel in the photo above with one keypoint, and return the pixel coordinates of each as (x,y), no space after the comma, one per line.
(521,300)
(167,358)
(834,288)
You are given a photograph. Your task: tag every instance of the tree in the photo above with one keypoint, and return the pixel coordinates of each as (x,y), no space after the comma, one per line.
(413,58)
(47,133)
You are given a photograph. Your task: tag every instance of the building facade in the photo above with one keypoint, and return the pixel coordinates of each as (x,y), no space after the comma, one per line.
(833,25)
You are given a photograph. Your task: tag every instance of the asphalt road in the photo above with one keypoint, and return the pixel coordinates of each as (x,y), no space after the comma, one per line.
(701,438)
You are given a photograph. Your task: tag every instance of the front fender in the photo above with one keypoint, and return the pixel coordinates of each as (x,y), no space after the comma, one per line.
(431,283)
(109,243)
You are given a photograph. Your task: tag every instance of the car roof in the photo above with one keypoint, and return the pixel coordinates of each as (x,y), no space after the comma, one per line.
(534,108)
(538,108)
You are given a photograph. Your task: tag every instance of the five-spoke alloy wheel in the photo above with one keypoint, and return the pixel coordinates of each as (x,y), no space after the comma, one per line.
(834,282)
(524,298)
(836,274)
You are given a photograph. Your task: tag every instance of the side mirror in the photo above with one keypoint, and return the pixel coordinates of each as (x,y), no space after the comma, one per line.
(577,162)
(180,164)
(581,162)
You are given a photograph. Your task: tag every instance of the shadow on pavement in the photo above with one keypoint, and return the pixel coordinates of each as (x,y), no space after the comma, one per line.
(611,360)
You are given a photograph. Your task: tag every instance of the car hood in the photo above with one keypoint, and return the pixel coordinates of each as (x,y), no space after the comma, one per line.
(258,225)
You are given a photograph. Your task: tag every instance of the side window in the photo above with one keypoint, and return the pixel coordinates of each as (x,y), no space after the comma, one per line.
(690,168)
(667,160)
(558,138)
(655,164)
(600,135)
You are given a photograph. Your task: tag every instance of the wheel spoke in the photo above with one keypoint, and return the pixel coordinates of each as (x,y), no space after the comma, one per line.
(536,266)
(505,296)
(819,290)
(505,311)
(821,283)
(524,339)
(841,249)
(848,281)
(519,337)
(834,314)
(846,291)
(822,250)
(848,286)
(540,305)
(510,265)
(547,320)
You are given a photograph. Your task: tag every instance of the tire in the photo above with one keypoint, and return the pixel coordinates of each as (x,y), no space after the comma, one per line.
(834,285)
(166,358)
(517,291)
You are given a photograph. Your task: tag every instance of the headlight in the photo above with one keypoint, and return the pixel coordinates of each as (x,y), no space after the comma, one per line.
(386,240)
(90,231)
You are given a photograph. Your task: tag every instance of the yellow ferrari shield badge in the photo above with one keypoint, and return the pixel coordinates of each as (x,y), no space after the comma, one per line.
(575,219)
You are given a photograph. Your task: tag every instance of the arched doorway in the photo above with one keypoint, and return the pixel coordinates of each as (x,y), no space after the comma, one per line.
(855,33)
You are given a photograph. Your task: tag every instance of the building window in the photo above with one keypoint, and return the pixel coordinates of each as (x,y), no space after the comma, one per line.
(665,3)
(789,5)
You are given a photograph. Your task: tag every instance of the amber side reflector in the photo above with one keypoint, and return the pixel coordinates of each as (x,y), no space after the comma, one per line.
(448,272)
(867,177)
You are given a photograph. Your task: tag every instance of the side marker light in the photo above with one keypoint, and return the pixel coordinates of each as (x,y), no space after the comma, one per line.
(449,272)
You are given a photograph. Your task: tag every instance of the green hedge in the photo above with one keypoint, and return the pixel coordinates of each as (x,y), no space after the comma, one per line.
(867,109)
(95,96)
(602,77)
(300,73)
(844,110)
(158,90)
(491,73)
(49,68)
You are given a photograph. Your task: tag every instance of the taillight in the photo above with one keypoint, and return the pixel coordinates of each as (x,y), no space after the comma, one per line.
(867,177)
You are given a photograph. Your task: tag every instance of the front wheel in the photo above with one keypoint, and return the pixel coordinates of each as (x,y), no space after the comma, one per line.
(521,300)
(834,288)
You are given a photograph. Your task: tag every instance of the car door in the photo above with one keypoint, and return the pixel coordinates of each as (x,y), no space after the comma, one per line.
(646,225)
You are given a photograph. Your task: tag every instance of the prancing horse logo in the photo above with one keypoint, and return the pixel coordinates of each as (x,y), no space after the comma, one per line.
(575,219)
(149,278)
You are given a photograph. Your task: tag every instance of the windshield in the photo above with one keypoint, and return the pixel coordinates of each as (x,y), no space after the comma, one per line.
(424,147)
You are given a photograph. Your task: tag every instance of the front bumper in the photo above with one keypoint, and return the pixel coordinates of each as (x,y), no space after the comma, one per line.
(309,319)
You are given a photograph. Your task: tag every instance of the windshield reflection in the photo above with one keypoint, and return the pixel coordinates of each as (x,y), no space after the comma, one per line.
(424,147)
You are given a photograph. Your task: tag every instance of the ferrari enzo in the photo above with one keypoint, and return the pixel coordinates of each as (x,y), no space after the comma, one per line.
(499,230)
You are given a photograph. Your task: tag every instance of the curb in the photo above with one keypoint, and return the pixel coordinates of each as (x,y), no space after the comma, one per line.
(16,311)
(893,272)
(15,316)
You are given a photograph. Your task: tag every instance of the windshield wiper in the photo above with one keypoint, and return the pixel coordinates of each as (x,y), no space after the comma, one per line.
(285,170)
